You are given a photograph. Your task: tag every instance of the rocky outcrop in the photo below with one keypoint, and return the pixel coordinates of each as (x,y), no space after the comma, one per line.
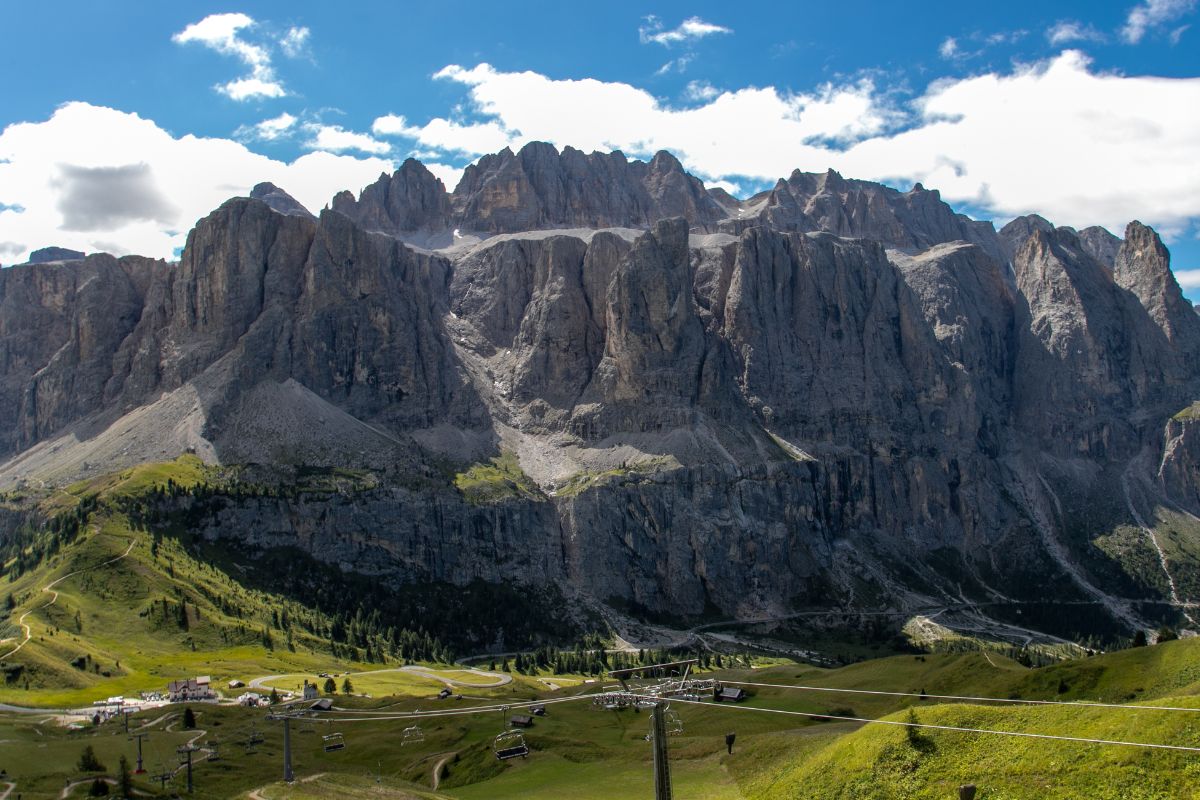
(1143,266)
(279,200)
(410,199)
(534,189)
(1101,245)
(1179,469)
(50,254)
(1014,235)
(1091,353)
(912,220)
(1095,241)
(60,327)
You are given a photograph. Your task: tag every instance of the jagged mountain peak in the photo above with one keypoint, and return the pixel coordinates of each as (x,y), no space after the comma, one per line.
(1143,266)
(1096,241)
(787,393)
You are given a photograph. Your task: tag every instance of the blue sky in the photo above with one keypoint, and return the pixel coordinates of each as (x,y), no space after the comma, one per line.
(1085,112)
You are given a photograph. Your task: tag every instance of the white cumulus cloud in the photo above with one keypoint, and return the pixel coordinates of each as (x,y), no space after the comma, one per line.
(1067,31)
(1079,146)
(690,29)
(337,139)
(1152,14)
(94,178)
(1188,278)
(472,139)
(269,129)
(222,33)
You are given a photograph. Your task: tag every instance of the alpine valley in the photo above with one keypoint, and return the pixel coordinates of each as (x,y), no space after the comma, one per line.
(479,448)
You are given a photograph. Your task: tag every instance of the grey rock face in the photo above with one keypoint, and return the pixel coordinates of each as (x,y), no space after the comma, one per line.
(411,199)
(844,394)
(59,329)
(534,189)
(1101,245)
(1092,355)
(1014,235)
(279,200)
(1179,470)
(1143,266)
(911,220)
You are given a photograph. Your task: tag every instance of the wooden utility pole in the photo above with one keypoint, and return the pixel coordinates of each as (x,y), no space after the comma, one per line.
(662,767)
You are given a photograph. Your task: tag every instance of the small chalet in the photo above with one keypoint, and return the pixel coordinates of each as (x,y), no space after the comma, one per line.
(521,721)
(324,704)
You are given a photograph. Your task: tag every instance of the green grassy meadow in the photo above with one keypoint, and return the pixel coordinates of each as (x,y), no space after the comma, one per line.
(134,610)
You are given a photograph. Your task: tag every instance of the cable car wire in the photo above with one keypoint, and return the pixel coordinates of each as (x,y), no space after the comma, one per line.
(965,698)
(932,726)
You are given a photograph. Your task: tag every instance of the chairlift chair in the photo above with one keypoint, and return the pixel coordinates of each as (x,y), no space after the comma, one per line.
(334,741)
(510,744)
(412,735)
(672,724)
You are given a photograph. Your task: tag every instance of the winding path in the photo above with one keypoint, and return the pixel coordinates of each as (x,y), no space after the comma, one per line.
(437,770)
(49,587)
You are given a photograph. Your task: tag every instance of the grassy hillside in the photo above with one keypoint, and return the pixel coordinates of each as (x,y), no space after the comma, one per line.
(120,607)
(119,598)
(584,752)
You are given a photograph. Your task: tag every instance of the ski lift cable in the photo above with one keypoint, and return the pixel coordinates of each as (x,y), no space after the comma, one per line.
(952,728)
(335,713)
(966,698)
(450,712)
(409,716)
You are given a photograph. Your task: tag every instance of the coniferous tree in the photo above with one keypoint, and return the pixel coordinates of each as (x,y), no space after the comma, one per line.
(124,781)
(88,761)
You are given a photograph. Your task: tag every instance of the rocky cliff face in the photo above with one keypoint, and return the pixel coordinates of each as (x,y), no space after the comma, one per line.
(833,393)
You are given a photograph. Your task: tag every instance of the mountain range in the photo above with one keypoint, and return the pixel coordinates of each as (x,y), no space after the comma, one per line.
(591,372)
